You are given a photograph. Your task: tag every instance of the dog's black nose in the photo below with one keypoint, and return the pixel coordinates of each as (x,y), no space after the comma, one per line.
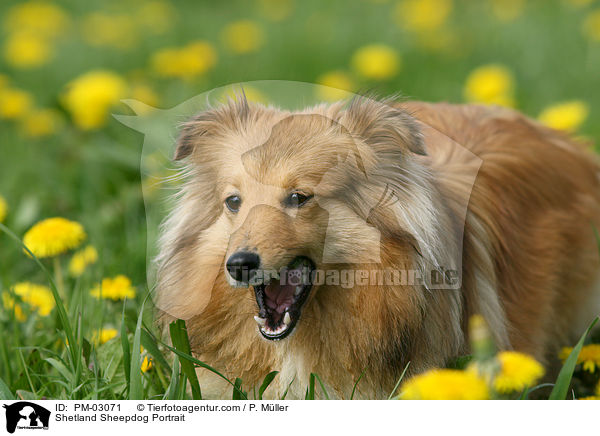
(243,265)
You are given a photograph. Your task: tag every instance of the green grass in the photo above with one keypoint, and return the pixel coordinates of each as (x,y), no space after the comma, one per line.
(94,177)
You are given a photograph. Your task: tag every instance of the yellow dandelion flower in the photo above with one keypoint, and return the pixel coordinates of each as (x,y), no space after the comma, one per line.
(276,10)
(244,36)
(376,61)
(156,16)
(336,86)
(517,372)
(3,209)
(145,94)
(146,364)
(7,300)
(186,62)
(445,384)
(89,97)
(82,259)
(591,26)
(423,15)
(146,361)
(564,353)
(109,30)
(54,236)
(490,84)
(117,288)
(41,122)
(26,50)
(104,335)
(589,357)
(14,103)
(568,116)
(40,17)
(38,297)
(507,10)
(9,303)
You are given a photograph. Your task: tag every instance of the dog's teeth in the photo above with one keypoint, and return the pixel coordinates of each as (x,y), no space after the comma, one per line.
(287,318)
(260,321)
(298,290)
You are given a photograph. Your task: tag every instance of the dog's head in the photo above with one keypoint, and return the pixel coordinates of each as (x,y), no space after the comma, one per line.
(271,197)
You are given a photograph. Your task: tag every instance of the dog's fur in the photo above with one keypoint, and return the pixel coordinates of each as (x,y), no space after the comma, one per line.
(530,264)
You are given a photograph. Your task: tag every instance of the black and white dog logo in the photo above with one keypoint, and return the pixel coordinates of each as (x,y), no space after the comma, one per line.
(26,415)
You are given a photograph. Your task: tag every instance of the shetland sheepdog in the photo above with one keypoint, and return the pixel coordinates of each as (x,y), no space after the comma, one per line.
(350,239)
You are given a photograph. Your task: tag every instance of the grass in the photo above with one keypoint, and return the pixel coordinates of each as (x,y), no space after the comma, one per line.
(94,176)
(109,374)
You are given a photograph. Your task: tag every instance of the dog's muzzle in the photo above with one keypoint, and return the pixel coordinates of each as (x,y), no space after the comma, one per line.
(280,295)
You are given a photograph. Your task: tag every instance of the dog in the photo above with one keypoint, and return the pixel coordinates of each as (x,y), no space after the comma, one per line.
(470,209)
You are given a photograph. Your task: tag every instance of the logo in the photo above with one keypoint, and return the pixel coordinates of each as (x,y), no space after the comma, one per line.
(26,415)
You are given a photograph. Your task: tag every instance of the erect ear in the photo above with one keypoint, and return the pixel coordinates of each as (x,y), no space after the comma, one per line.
(382,125)
(192,133)
(231,115)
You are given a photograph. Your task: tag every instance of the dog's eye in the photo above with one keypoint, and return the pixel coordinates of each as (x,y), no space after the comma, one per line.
(233,203)
(296,199)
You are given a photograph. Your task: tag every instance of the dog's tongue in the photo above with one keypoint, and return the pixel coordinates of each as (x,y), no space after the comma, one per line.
(280,293)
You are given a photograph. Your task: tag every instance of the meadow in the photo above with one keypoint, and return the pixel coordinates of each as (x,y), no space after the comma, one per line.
(76,321)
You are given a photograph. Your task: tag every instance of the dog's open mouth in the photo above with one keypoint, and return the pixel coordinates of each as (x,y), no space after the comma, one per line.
(281,296)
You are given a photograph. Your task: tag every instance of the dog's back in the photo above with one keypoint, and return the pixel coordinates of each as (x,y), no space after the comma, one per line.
(531,218)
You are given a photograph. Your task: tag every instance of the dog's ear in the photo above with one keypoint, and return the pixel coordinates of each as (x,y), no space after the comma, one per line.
(192,133)
(233,114)
(382,125)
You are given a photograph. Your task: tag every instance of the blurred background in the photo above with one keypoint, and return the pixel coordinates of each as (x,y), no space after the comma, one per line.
(65,65)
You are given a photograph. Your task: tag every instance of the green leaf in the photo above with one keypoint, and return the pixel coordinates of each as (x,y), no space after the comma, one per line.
(125,347)
(62,369)
(460,362)
(173,388)
(526,392)
(197,362)
(399,381)
(287,389)
(5,393)
(86,349)
(356,384)
(310,390)
(266,382)
(149,343)
(322,387)
(181,341)
(26,395)
(237,389)
(109,358)
(182,394)
(136,391)
(563,381)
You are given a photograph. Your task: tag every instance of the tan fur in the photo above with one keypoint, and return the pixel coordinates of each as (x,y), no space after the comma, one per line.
(529,259)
